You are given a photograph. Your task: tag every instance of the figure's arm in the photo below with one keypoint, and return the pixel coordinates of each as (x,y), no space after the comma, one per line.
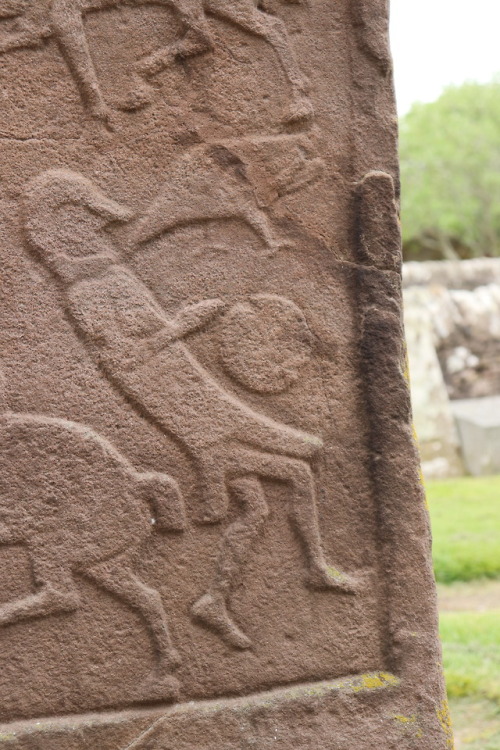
(193,317)
(190,319)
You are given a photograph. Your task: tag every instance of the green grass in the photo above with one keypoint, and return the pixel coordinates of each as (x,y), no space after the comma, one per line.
(471,654)
(476,724)
(465,517)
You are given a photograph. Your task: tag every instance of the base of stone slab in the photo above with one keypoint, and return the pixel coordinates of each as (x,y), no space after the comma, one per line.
(351,713)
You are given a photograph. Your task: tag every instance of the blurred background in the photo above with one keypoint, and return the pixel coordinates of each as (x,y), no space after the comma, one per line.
(447,69)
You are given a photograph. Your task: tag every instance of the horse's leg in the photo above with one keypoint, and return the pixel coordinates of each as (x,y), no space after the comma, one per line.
(246,16)
(68,29)
(57,593)
(236,544)
(195,41)
(304,514)
(117,578)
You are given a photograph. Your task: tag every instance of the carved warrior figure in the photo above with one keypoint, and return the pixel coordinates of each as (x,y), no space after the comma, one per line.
(143,354)
(63,20)
(82,510)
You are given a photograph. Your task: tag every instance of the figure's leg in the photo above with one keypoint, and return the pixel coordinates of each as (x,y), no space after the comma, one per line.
(164,495)
(246,16)
(57,593)
(236,545)
(196,40)
(213,485)
(68,28)
(304,513)
(272,437)
(116,577)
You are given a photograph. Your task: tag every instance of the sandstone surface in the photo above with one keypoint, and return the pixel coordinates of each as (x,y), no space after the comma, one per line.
(212,530)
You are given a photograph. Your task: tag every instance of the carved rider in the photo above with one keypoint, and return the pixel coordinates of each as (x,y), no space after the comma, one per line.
(63,20)
(142,352)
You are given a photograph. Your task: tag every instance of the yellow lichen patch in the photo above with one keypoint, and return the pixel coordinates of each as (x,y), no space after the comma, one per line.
(406,370)
(334,573)
(373,681)
(405,719)
(444,718)
(389,678)
(410,725)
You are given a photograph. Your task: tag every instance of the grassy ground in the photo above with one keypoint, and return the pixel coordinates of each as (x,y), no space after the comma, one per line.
(465,516)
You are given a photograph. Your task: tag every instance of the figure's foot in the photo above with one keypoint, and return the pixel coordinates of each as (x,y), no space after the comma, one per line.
(274,248)
(141,96)
(211,516)
(212,612)
(325,577)
(301,111)
(195,42)
(49,600)
(160,687)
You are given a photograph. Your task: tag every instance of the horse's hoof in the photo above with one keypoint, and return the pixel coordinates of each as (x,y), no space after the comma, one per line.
(138,98)
(160,688)
(104,116)
(174,659)
(301,111)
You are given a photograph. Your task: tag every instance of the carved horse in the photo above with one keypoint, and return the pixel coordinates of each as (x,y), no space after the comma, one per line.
(64,21)
(82,510)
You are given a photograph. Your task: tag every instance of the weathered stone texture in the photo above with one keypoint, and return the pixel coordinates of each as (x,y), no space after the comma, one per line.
(212,530)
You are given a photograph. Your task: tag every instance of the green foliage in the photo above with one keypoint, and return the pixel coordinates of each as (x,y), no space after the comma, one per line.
(471,653)
(450,171)
(465,518)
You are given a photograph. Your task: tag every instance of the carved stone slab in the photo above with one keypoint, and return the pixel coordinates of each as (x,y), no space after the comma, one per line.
(212,531)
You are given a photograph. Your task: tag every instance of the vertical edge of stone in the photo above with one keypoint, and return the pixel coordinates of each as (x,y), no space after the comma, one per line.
(411,617)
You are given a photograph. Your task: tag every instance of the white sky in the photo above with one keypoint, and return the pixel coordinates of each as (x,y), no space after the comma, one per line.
(439,42)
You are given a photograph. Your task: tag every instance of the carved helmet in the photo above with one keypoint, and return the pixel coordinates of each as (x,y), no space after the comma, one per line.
(65,215)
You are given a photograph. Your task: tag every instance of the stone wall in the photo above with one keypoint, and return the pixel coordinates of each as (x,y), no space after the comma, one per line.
(452,319)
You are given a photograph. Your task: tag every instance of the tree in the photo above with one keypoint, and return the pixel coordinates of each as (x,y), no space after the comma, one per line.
(450,173)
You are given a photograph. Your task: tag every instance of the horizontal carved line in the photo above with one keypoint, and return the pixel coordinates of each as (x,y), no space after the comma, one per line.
(355,684)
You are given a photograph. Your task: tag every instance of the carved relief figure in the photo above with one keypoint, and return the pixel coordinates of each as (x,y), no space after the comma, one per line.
(64,21)
(83,510)
(142,352)
(207,183)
